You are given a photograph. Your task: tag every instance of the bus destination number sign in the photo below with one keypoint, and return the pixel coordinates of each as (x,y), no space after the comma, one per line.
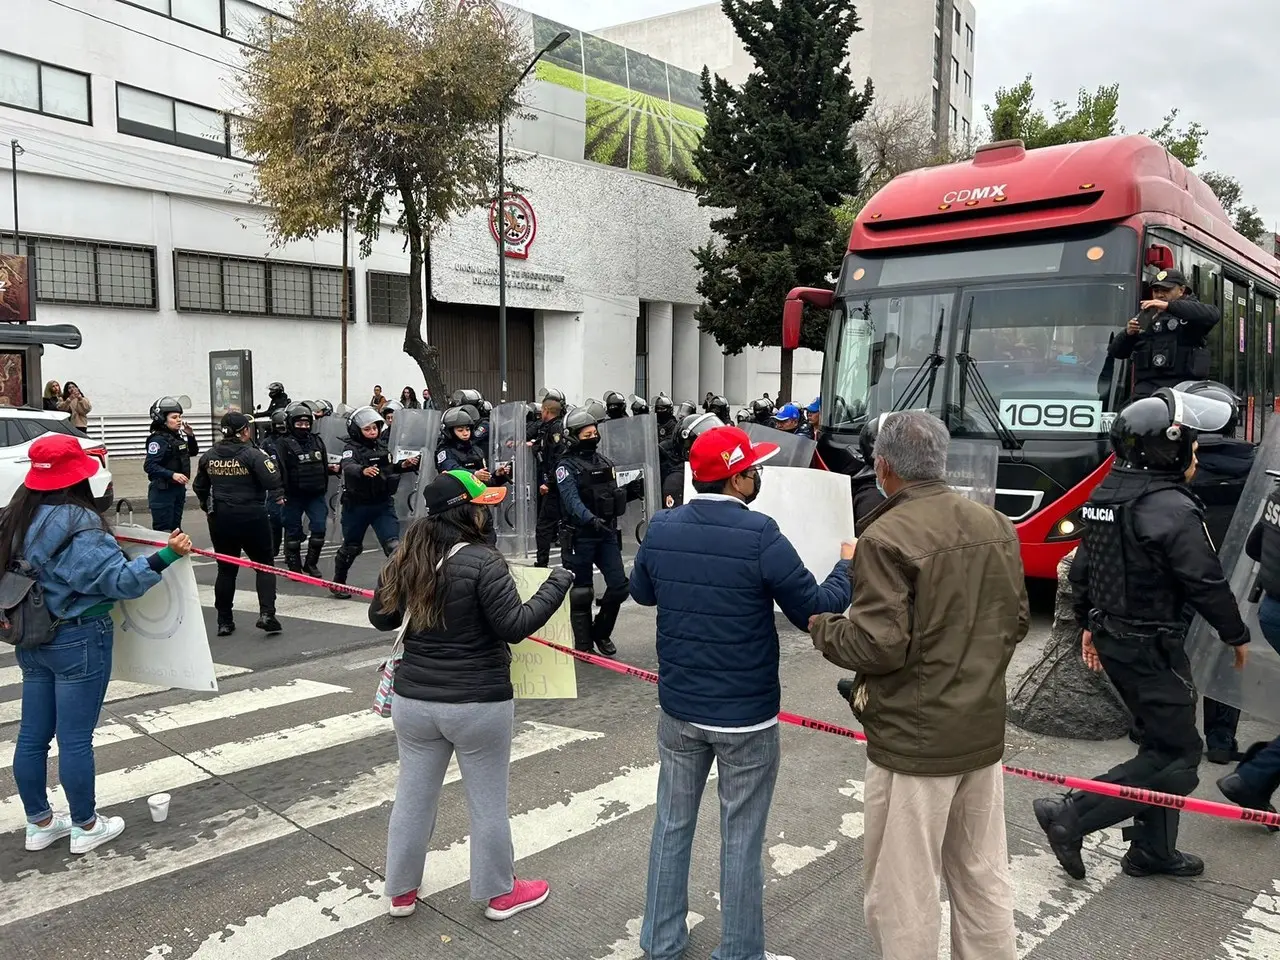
(1071,416)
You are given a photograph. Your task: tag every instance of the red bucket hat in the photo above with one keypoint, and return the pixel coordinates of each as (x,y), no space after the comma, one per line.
(58,462)
(720,453)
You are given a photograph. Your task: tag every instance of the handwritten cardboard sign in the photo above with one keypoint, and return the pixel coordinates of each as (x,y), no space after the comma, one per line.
(538,672)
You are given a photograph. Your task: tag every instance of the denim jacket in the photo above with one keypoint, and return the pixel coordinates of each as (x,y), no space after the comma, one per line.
(91,569)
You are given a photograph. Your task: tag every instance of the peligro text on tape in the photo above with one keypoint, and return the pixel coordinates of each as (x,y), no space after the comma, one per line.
(1120,791)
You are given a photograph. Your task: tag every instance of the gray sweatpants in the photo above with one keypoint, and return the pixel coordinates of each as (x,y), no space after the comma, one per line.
(428,734)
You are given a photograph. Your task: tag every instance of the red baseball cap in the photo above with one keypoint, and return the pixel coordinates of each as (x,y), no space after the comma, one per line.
(58,462)
(720,453)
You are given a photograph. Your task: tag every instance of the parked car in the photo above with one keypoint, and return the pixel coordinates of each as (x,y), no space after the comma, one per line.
(20,427)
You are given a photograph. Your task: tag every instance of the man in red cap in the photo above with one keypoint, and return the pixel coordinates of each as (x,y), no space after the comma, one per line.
(714,570)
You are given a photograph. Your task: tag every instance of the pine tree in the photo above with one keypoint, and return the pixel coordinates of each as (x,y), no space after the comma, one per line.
(778,157)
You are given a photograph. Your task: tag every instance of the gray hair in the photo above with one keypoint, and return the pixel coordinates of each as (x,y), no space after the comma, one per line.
(913,444)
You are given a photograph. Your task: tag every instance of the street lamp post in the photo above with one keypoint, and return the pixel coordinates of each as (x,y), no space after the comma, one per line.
(15,151)
(558,39)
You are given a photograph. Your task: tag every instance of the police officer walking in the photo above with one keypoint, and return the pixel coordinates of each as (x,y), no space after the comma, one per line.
(168,464)
(304,471)
(233,484)
(1166,342)
(592,502)
(547,438)
(369,480)
(461,452)
(1144,556)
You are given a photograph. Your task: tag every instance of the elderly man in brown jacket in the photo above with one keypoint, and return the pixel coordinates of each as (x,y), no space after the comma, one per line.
(939,603)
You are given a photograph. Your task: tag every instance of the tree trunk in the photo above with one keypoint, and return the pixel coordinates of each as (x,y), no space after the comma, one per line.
(784,379)
(425,355)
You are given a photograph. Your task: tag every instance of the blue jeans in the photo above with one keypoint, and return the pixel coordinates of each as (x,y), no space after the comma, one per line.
(1262,773)
(313,508)
(63,686)
(357,518)
(166,506)
(748,765)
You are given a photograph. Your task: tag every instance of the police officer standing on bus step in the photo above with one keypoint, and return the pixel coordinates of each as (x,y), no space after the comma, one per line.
(168,464)
(593,502)
(1166,343)
(304,470)
(234,482)
(1144,556)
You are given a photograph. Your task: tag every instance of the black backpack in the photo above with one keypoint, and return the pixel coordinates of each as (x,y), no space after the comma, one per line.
(25,620)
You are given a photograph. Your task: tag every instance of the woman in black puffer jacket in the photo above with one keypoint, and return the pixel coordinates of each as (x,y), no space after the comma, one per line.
(453,687)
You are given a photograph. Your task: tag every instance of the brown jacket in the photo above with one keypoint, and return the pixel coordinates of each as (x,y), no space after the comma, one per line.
(939,602)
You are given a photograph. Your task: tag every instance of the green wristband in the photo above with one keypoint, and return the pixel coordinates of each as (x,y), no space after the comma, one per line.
(169,556)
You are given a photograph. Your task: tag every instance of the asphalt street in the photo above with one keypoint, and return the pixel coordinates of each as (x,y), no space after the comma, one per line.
(282,784)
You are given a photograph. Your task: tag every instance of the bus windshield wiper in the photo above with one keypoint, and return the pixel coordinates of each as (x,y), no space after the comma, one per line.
(986,402)
(926,374)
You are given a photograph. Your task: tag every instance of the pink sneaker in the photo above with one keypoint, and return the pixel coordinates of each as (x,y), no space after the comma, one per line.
(525,894)
(404,905)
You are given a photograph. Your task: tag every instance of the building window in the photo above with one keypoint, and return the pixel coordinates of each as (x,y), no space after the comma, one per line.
(210,283)
(954,120)
(140,113)
(956,18)
(936,104)
(44,88)
(940,14)
(968,39)
(966,130)
(968,85)
(388,297)
(89,272)
(236,20)
(955,71)
(642,351)
(937,58)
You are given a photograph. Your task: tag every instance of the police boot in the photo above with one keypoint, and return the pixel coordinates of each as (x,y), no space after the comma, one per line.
(580,618)
(1058,820)
(267,621)
(1153,848)
(293,555)
(226,625)
(342,562)
(311,566)
(602,627)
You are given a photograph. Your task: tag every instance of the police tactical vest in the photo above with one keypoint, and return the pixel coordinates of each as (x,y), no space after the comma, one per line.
(362,490)
(232,482)
(172,451)
(1162,350)
(1269,571)
(598,487)
(306,470)
(466,455)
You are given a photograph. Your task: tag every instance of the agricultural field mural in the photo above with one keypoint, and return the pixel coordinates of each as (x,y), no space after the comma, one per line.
(642,114)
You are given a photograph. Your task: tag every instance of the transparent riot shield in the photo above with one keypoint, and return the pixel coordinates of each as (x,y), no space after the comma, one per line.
(1254,688)
(413,434)
(971,469)
(517,516)
(793,449)
(632,444)
(333,431)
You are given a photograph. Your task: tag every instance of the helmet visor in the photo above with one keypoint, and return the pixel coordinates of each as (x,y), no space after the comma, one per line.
(364,417)
(1199,412)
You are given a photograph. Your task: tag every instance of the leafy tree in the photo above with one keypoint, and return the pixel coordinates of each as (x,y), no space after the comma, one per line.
(1187,145)
(1248,223)
(1015,117)
(778,157)
(384,109)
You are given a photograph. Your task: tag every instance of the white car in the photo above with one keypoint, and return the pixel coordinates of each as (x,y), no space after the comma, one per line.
(20,427)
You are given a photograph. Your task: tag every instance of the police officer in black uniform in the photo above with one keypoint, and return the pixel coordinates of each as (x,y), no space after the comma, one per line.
(720,407)
(547,439)
(275,512)
(1145,556)
(762,412)
(233,484)
(304,470)
(1167,340)
(665,414)
(461,452)
(168,464)
(615,405)
(593,502)
(277,399)
(677,453)
(865,488)
(639,406)
(369,479)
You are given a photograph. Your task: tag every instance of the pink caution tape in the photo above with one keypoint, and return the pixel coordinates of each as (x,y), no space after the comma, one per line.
(1155,798)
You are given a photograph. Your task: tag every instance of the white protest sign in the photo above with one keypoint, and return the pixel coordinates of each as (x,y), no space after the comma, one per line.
(160,638)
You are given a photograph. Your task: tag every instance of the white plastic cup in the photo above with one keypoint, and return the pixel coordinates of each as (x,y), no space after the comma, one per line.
(159,805)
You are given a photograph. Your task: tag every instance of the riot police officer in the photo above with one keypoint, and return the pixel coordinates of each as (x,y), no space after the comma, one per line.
(1144,556)
(233,484)
(639,406)
(277,399)
(168,464)
(304,471)
(762,412)
(664,413)
(369,479)
(461,452)
(1166,342)
(863,484)
(720,407)
(275,512)
(615,405)
(548,445)
(677,454)
(592,502)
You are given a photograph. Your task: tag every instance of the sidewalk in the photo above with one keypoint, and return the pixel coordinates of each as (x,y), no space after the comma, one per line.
(130,482)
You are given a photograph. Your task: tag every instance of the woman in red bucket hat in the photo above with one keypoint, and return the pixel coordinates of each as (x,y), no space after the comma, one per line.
(53,524)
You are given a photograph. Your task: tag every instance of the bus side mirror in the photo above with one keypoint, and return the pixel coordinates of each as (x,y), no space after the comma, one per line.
(792,321)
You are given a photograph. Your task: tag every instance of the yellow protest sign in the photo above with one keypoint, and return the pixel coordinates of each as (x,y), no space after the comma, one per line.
(538,672)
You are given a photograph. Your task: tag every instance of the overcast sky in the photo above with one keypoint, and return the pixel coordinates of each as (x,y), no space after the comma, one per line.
(1220,75)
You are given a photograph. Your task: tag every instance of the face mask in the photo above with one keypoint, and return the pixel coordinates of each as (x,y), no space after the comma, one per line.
(880,487)
(589,445)
(755,490)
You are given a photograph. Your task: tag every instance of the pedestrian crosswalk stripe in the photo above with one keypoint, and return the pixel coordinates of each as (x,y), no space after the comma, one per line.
(1257,937)
(110,869)
(317,606)
(195,712)
(11,710)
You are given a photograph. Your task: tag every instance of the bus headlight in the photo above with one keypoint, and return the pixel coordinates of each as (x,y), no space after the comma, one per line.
(1068,528)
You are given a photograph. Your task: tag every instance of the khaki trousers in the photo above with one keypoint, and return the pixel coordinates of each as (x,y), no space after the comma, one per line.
(920,831)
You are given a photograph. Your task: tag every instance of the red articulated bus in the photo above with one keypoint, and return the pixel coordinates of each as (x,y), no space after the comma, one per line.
(988,291)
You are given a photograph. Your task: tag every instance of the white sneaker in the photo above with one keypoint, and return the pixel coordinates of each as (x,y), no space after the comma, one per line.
(776,956)
(38,838)
(104,829)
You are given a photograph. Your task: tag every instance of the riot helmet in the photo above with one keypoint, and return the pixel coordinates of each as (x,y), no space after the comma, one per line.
(720,407)
(694,426)
(323,408)
(1216,391)
(686,409)
(279,422)
(275,389)
(532,412)
(363,417)
(551,393)
(742,416)
(300,412)
(639,406)
(464,397)
(392,407)
(663,408)
(594,408)
(486,409)
(457,417)
(615,405)
(473,410)
(576,422)
(1159,431)
(161,409)
(762,410)
(867,439)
